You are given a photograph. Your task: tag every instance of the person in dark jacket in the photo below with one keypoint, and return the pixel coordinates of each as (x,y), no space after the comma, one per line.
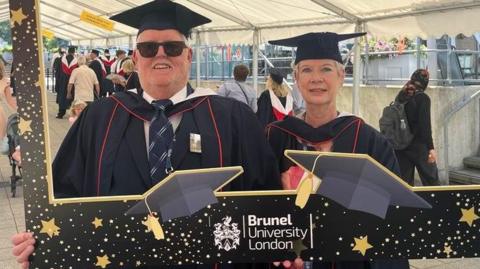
(420,154)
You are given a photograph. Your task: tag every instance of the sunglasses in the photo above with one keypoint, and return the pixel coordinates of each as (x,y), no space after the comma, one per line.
(150,49)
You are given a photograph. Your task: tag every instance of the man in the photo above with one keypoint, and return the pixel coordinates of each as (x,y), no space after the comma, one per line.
(319,73)
(116,67)
(95,160)
(56,69)
(238,89)
(420,153)
(68,64)
(97,66)
(107,61)
(85,82)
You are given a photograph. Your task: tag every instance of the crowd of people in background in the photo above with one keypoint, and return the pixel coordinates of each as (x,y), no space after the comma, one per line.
(84,78)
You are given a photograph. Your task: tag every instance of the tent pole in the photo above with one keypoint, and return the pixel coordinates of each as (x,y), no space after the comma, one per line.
(255,60)
(356,74)
(197,60)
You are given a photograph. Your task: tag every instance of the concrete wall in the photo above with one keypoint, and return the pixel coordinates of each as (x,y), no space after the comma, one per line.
(463,127)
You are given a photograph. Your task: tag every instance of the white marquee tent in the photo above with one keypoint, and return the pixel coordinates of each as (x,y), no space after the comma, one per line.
(236,21)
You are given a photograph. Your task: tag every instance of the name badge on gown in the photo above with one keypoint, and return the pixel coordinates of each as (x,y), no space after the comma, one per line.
(195,143)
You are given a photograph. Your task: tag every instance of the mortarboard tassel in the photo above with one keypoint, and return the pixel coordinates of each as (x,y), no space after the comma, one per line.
(153,225)
(305,188)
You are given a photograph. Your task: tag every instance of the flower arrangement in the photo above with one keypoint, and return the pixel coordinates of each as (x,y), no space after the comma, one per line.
(383,48)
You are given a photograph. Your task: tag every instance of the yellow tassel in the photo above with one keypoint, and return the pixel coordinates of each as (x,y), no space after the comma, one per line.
(154,226)
(304,190)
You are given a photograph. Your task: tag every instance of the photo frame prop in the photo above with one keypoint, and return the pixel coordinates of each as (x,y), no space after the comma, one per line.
(242,227)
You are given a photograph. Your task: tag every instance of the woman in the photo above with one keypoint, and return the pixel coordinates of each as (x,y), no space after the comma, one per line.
(276,101)
(420,154)
(319,74)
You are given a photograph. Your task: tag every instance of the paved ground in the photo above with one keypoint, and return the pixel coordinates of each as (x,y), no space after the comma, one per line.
(12,218)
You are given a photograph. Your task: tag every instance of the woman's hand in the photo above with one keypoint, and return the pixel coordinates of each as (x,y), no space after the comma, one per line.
(23,246)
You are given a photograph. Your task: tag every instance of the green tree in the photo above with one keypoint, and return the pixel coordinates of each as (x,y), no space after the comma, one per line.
(5,32)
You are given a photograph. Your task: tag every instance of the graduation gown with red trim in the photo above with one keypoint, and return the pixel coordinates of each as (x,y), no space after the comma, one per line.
(67,64)
(105,152)
(266,111)
(348,134)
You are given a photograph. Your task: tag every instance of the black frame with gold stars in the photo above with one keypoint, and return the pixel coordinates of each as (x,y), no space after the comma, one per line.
(82,233)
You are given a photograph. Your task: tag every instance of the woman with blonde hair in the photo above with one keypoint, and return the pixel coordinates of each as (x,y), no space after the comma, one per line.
(129,79)
(276,101)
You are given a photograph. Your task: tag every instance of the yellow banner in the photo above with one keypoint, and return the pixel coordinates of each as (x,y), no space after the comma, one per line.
(48,34)
(96,20)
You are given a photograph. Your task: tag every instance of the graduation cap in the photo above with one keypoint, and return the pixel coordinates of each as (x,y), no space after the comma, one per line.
(356,181)
(182,194)
(161,15)
(277,75)
(95,51)
(322,45)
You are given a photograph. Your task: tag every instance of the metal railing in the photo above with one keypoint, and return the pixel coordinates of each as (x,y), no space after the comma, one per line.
(454,67)
(455,108)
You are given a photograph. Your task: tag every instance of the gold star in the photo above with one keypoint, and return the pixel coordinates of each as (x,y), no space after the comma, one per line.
(102,261)
(24,126)
(469,216)
(18,16)
(97,222)
(447,250)
(298,247)
(362,245)
(49,227)
(153,225)
(138,263)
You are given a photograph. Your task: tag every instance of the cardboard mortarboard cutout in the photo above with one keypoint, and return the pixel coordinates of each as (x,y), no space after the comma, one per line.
(183,193)
(356,181)
(323,45)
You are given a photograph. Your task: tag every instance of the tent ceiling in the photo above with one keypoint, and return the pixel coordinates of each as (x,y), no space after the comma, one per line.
(234,21)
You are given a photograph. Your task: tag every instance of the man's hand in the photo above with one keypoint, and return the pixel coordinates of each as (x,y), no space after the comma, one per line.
(23,248)
(432,156)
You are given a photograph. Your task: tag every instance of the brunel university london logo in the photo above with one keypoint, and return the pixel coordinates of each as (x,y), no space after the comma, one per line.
(227,234)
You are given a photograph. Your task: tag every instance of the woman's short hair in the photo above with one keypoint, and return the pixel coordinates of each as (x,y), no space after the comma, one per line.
(240,72)
(128,66)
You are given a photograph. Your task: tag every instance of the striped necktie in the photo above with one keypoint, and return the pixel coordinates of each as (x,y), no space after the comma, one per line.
(161,138)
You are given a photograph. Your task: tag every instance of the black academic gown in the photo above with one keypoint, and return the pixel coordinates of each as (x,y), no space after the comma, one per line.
(349,134)
(96,66)
(62,83)
(264,108)
(57,69)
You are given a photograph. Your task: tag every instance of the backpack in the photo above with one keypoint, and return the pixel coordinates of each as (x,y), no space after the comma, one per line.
(394,125)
